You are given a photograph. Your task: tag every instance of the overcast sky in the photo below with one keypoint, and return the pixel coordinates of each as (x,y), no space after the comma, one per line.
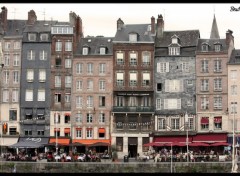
(101,19)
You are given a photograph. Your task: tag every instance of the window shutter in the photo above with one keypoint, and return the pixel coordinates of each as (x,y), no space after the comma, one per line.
(167,85)
(181,86)
(165,103)
(178,103)
(158,67)
(167,66)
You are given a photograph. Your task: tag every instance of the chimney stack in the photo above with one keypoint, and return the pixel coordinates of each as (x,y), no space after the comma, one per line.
(152,25)
(160,26)
(3,18)
(31,17)
(120,24)
(229,36)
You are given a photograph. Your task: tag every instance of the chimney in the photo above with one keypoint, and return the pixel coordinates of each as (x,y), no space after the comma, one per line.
(152,25)
(31,17)
(229,36)
(3,18)
(72,18)
(160,26)
(120,24)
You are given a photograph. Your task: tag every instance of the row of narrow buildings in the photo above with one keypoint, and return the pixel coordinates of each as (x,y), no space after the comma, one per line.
(143,85)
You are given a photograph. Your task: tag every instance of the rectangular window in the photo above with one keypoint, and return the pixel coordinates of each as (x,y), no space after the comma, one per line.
(174,85)
(233,107)
(205,47)
(185,67)
(158,104)
(174,51)
(43,55)
(57,81)
(40,132)
(16,77)
(89,133)
(79,68)
(31,55)
(79,85)
(13,115)
(146,58)
(120,101)
(79,118)
(159,86)
(102,50)
(132,37)
(217,65)
(217,47)
(89,118)
(7,45)
(189,102)
(30,75)
(120,81)
(16,45)
(133,79)
(67,98)
(6,59)
(41,95)
(5,96)
(68,81)
(217,123)
(42,75)
(58,46)
(68,46)
(102,101)
(89,84)
(233,89)
(102,68)
(28,132)
(6,77)
(102,85)
(15,94)
(204,85)
(57,98)
(161,124)
(78,132)
(29,95)
(79,102)
(133,59)
(44,37)
(204,66)
(146,79)
(89,101)
(233,74)
(16,60)
(32,37)
(218,102)
(204,103)
(175,124)
(85,51)
(90,68)
(162,67)
(172,104)
(68,63)
(218,84)
(120,59)
(101,118)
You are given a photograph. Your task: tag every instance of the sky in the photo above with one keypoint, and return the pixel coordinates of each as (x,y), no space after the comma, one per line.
(101,18)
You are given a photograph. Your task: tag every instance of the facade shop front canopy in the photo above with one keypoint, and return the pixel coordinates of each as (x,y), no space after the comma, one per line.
(92,142)
(210,138)
(30,142)
(198,144)
(173,139)
(59,141)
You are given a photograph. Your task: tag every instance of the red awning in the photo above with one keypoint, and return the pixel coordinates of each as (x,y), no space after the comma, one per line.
(210,138)
(67,114)
(217,119)
(79,129)
(67,130)
(220,144)
(101,130)
(168,139)
(204,120)
(196,144)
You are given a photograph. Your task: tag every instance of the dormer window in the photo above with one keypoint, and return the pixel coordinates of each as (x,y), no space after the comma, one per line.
(217,47)
(85,50)
(44,37)
(133,37)
(32,37)
(174,47)
(102,50)
(205,47)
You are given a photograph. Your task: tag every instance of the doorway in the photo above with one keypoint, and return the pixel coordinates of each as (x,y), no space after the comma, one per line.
(132,150)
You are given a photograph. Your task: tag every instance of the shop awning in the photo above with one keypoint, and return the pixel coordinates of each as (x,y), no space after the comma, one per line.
(196,144)
(101,130)
(66,130)
(220,144)
(67,114)
(56,129)
(28,111)
(204,120)
(210,138)
(61,141)
(171,139)
(217,119)
(40,111)
(91,141)
(28,142)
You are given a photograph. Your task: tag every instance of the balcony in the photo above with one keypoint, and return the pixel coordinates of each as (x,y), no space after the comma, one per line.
(124,109)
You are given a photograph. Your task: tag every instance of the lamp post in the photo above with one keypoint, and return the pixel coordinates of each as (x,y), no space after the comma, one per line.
(171,157)
(186,124)
(234,168)
(56,121)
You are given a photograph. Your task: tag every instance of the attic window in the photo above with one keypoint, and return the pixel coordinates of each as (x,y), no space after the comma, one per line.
(44,37)
(149,28)
(85,51)
(31,37)
(205,47)
(133,37)
(102,50)
(217,47)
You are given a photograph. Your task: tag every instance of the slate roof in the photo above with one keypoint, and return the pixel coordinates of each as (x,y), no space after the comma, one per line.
(235,57)
(15,27)
(40,26)
(211,43)
(187,38)
(95,44)
(141,29)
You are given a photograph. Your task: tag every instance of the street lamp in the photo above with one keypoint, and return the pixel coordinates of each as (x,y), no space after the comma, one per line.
(186,124)
(56,121)
(234,157)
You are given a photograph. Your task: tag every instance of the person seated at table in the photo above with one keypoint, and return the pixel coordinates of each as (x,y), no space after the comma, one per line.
(68,158)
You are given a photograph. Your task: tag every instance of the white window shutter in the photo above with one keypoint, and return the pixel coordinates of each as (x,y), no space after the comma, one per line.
(158,67)
(178,103)
(167,66)
(167,85)
(181,85)
(165,103)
